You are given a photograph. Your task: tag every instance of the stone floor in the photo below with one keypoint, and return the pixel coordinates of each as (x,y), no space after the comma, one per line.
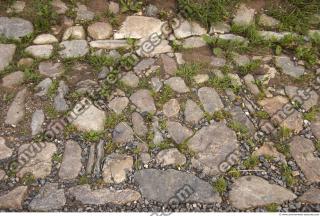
(108,106)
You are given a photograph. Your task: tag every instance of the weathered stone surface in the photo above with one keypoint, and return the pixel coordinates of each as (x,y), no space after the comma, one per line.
(45,39)
(83,14)
(6,54)
(250,83)
(91,119)
(114,7)
(122,133)
(177,84)
(306,99)
(2,174)
(5,152)
(283,113)
(302,150)
(192,113)
(116,167)
(36,122)
(212,145)
(143,100)
(268,21)
(100,30)
(149,50)
(118,104)
(231,37)
(13,199)
(218,62)
(268,149)
(239,116)
(220,28)
(187,29)
(201,78)
(15,27)
(162,186)
(251,191)
(288,67)
(270,35)
(139,27)
(169,64)
(178,132)
(49,198)
(59,6)
(210,99)
(38,159)
(170,157)
(244,16)
(43,87)
(143,65)
(171,108)
(74,33)
(139,126)
(59,102)
(71,163)
(13,79)
(109,44)
(131,80)
(51,69)
(40,51)
(311,196)
(85,195)
(74,48)
(156,84)
(194,42)
(25,62)
(16,7)
(17,108)
(315,127)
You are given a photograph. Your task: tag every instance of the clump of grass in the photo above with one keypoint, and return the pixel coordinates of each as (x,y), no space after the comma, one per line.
(228,46)
(112,18)
(45,15)
(83,180)
(249,67)
(223,83)
(188,71)
(221,115)
(284,133)
(283,148)
(262,114)
(30,76)
(113,119)
(251,162)
(92,136)
(251,33)
(57,157)
(239,128)
(312,114)
(235,173)
(273,207)
(53,88)
(130,6)
(50,111)
(28,179)
(110,147)
(317,145)
(206,12)
(184,149)
(286,172)
(294,15)
(220,185)
(166,94)
(308,54)
(99,61)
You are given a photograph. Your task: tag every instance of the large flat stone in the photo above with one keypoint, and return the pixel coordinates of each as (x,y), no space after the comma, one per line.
(288,67)
(85,195)
(302,150)
(6,54)
(139,27)
(16,110)
(49,198)
(71,163)
(212,145)
(15,27)
(143,100)
(163,186)
(251,191)
(13,199)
